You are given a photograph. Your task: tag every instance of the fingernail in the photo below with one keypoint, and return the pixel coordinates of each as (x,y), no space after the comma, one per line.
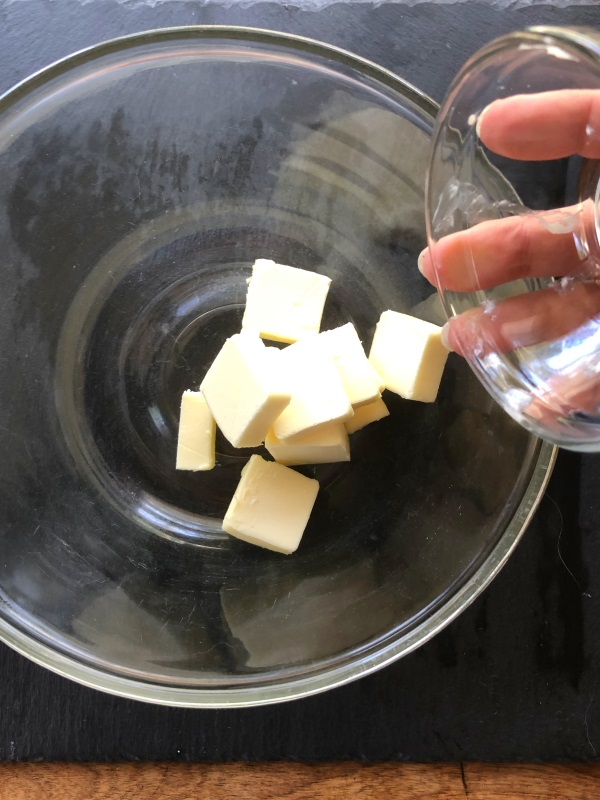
(478,123)
(420,260)
(445,336)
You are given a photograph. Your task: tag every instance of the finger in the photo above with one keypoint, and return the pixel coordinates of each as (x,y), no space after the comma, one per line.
(538,127)
(576,396)
(524,320)
(499,251)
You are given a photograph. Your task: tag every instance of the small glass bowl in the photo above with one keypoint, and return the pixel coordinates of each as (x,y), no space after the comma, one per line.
(513,240)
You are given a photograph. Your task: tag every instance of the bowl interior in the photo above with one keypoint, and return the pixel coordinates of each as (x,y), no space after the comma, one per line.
(138,183)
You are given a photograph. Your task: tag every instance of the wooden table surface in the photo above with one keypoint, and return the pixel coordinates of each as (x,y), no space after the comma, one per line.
(341,781)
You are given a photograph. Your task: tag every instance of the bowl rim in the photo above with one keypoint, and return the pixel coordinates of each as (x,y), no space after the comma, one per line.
(329,676)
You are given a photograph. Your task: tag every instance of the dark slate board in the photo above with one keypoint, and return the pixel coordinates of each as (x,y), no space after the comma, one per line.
(516,677)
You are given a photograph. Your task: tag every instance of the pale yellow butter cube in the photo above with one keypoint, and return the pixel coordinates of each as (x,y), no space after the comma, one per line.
(322,446)
(196,438)
(318,396)
(409,356)
(271,505)
(361,383)
(365,415)
(284,303)
(244,390)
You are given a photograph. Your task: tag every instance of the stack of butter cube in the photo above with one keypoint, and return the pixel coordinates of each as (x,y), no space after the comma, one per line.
(300,401)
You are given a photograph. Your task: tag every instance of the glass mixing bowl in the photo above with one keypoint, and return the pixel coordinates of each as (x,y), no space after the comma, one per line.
(138,182)
(514,229)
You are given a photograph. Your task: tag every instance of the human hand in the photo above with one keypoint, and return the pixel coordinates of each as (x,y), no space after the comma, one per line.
(530,127)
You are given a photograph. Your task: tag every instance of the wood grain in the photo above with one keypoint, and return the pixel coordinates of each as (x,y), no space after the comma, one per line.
(341,781)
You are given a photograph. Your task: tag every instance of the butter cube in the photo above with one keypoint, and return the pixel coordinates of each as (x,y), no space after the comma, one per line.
(284,303)
(322,446)
(409,356)
(366,414)
(271,505)
(244,390)
(318,396)
(196,439)
(361,383)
